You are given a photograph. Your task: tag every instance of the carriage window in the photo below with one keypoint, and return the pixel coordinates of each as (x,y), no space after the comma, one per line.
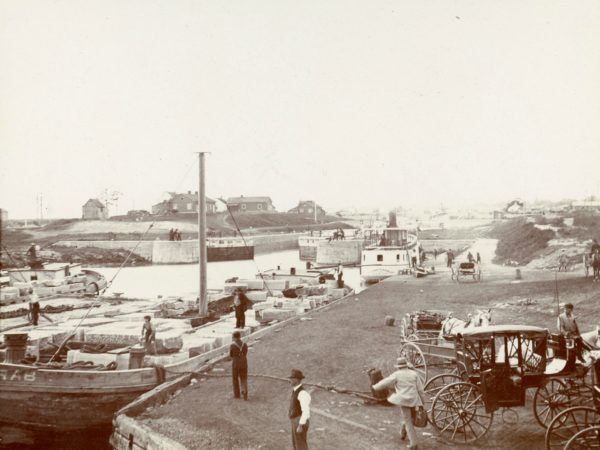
(380,258)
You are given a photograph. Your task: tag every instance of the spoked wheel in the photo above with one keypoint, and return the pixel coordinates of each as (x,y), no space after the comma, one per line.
(435,385)
(585,439)
(568,423)
(458,413)
(414,356)
(405,329)
(549,400)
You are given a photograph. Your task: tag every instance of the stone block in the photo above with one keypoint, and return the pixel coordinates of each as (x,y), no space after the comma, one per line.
(200,345)
(257,296)
(221,338)
(128,334)
(263,306)
(163,360)
(336,293)
(277,285)
(228,288)
(277,314)
(255,285)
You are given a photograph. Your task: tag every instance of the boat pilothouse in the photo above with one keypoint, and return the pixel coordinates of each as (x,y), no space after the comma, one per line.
(388,251)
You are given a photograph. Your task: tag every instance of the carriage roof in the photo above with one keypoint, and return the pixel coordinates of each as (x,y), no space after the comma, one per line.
(500,330)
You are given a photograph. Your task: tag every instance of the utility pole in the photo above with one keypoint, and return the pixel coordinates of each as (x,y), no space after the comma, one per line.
(315,207)
(202,258)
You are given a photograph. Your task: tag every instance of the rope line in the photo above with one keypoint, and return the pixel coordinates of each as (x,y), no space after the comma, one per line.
(246,245)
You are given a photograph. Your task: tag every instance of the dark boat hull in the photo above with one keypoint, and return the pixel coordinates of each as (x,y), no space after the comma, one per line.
(215,254)
(60,401)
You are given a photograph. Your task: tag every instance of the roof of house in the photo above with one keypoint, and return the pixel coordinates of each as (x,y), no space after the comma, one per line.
(235,200)
(190,197)
(94,202)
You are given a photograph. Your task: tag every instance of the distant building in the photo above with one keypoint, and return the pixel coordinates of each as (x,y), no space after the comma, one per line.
(94,209)
(182,203)
(3,214)
(590,205)
(250,204)
(307,208)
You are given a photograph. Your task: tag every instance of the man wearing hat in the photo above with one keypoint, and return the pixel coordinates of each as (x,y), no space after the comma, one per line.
(299,412)
(567,327)
(239,365)
(408,394)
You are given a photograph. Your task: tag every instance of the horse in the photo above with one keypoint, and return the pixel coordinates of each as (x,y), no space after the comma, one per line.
(595,263)
(452,325)
(586,264)
(563,262)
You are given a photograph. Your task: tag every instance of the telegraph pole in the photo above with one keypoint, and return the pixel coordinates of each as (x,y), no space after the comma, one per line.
(202,257)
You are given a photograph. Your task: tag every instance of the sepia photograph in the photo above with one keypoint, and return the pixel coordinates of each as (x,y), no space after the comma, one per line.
(273,224)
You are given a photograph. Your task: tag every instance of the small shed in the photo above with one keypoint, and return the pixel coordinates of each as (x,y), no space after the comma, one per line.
(94,209)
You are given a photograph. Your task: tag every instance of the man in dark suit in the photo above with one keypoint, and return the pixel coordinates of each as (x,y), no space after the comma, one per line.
(299,412)
(239,365)
(240,305)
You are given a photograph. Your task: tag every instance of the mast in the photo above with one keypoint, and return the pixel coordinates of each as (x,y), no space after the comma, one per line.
(202,300)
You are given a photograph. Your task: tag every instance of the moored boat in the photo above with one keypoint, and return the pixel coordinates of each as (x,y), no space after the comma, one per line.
(388,251)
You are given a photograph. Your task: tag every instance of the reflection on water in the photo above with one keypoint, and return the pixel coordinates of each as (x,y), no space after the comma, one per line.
(183,279)
(148,282)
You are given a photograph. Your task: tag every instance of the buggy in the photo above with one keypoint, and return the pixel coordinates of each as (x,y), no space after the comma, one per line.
(466,269)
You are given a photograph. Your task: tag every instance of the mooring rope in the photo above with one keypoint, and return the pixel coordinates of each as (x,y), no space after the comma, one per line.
(246,245)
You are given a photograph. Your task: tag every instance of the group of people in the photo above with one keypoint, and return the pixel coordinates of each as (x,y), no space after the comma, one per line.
(174,234)
(338,234)
(472,258)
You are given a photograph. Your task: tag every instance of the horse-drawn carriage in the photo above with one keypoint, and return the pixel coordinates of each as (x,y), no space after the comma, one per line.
(466,269)
(422,324)
(578,427)
(492,367)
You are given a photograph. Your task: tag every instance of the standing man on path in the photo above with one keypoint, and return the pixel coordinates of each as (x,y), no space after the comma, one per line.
(240,304)
(408,394)
(239,365)
(299,412)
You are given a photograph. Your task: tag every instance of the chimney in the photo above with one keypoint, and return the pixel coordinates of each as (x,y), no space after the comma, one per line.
(393,223)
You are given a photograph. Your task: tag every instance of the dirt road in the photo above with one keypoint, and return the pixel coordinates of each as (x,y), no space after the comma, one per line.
(338,346)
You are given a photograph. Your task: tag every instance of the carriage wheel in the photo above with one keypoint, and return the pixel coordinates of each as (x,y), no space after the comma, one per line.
(414,356)
(458,413)
(585,439)
(435,385)
(403,329)
(568,423)
(549,400)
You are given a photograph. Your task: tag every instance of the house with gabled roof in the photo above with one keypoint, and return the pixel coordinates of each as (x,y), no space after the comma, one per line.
(94,209)
(250,204)
(182,203)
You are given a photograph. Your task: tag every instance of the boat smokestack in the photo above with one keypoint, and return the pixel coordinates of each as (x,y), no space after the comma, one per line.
(393,223)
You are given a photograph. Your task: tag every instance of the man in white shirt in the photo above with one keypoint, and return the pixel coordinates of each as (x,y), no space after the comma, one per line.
(299,412)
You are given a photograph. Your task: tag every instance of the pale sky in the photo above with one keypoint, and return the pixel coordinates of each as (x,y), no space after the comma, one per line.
(352,103)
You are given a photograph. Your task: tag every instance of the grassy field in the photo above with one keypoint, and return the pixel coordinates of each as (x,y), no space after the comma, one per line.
(338,346)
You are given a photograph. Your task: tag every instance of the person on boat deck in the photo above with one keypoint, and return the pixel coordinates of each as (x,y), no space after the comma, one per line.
(34,307)
(567,326)
(470,257)
(171,234)
(149,336)
(595,246)
(478,258)
(239,365)
(240,305)
(340,274)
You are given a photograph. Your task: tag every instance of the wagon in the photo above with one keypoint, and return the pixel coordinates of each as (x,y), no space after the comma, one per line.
(493,368)
(466,269)
(422,324)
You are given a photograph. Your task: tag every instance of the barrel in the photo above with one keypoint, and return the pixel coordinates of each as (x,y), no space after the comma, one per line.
(518,275)
(136,357)
(375,377)
(389,321)
(16,346)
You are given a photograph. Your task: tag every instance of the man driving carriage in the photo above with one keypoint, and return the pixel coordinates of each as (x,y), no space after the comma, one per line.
(568,328)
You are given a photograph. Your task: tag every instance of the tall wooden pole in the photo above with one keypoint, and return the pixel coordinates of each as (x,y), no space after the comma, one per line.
(202,300)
